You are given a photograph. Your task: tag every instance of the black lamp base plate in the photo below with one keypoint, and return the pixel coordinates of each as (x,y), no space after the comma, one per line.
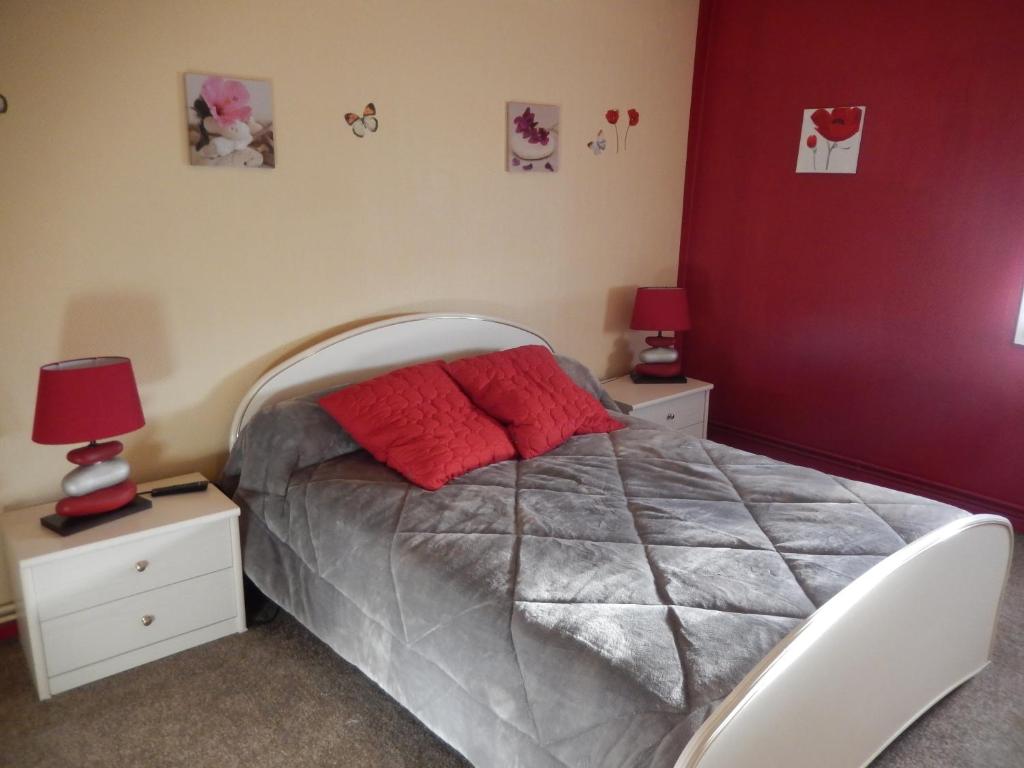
(640,379)
(65,525)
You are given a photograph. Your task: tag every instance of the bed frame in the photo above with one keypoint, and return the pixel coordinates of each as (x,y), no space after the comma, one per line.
(843,684)
(371,349)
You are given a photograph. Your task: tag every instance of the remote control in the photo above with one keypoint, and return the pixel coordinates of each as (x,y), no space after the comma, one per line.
(169,490)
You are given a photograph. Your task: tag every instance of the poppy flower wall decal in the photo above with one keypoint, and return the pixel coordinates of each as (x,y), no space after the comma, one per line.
(634,119)
(840,130)
(612,117)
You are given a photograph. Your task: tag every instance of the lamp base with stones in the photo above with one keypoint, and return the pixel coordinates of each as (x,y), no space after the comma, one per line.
(100,482)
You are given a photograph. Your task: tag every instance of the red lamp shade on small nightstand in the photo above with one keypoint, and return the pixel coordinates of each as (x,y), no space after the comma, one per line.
(84,401)
(660,309)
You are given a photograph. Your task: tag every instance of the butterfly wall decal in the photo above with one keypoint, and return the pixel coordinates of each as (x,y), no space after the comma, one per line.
(598,144)
(368,123)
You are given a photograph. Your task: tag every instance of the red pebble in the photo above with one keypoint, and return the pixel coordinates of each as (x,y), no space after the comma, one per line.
(103,500)
(90,454)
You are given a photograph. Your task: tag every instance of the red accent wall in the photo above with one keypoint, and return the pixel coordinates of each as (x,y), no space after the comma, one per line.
(867,320)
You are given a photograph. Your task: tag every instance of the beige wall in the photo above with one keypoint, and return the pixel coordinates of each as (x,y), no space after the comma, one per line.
(113,244)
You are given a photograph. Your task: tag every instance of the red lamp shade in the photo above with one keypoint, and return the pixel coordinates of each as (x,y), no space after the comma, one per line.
(88,399)
(660,309)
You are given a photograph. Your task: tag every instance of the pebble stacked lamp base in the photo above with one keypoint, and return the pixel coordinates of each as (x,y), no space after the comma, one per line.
(99,484)
(659,362)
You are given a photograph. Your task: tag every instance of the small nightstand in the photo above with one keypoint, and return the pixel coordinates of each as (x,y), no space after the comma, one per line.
(125,592)
(683,407)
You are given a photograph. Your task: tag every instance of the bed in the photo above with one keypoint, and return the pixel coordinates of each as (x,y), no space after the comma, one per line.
(637,598)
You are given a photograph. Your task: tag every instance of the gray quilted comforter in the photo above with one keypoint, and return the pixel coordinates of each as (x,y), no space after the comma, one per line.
(588,607)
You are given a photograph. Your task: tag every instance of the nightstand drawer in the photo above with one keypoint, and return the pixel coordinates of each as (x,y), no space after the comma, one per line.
(677,413)
(111,573)
(694,430)
(86,637)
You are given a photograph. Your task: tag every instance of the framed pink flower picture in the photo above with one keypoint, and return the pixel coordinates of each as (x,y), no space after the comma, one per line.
(230,121)
(532,137)
(830,140)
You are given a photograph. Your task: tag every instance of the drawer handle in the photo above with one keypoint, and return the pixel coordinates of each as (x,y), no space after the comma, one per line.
(147,620)
(670,417)
(142,565)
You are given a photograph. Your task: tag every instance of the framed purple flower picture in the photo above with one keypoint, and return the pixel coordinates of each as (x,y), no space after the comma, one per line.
(230,121)
(532,137)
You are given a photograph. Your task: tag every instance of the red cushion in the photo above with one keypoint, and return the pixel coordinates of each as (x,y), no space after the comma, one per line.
(526,390)
(418,422)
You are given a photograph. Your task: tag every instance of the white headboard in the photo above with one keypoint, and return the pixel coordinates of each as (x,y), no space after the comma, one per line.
(369,350)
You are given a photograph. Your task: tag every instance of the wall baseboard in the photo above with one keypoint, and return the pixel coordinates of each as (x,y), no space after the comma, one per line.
(826,461)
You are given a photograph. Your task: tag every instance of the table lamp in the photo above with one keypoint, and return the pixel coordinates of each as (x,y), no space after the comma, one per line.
(659,309)
(84,401)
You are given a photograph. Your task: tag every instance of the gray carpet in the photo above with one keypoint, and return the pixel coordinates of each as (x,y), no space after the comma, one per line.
(276,696)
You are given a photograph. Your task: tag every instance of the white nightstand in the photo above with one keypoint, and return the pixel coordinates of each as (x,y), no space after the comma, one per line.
(125,592)
(683,407)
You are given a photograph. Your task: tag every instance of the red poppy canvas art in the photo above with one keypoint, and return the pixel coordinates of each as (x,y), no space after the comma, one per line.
(830,140)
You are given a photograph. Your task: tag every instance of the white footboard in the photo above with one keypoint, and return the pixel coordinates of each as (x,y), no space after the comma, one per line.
(870,661)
